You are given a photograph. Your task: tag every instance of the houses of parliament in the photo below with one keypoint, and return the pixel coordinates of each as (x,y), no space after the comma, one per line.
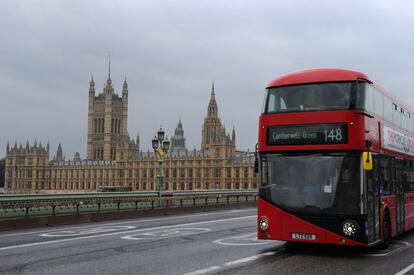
(114,159)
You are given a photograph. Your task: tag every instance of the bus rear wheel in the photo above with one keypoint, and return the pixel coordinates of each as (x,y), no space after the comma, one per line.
(386,231)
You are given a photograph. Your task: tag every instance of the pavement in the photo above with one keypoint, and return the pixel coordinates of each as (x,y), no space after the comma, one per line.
(212,242)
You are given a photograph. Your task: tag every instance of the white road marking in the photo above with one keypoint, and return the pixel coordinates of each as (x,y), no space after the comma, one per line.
(123,232)
(232,263)
(405,270)
(134,221)
(169,233)
(249,259)
(87,231)
(204,271)
(240,240)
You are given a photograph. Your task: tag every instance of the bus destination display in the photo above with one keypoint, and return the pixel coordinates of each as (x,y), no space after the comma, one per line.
(307,134)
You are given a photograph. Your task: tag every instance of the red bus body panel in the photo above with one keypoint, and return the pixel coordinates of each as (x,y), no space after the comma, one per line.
(282,225)
(317,75)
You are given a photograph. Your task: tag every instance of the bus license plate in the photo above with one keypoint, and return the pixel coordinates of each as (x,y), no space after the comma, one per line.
(303,236)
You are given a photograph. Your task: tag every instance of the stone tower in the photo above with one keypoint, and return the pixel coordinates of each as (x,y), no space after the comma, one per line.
(178,140)
(107,120)
(214,137)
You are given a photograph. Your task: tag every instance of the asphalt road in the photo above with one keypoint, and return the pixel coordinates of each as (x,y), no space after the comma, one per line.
(216,242)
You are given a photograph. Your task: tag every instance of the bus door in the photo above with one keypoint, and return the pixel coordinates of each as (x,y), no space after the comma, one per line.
(373,201)
(401,169)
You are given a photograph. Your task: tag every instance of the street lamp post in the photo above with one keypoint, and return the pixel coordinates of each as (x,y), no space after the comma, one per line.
(161,145)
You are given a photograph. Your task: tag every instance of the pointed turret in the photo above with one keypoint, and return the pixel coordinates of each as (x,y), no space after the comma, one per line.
(27,146)
(8,147)
(138,141)
(125,85)
(48,147)
(109,80)
(92,87)
(59,153)
(109,66)
(35,144)
(212,106)
(125,91)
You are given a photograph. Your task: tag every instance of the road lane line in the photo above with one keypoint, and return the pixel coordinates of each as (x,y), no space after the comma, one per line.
(232,263)
(135,221)
(204,271)
(249,259)
(123,232)
(405,270)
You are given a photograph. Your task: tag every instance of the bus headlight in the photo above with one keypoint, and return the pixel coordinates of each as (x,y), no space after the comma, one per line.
(349,228)
(264,224)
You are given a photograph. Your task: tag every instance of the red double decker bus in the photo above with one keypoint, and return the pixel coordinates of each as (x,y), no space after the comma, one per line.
(335,159)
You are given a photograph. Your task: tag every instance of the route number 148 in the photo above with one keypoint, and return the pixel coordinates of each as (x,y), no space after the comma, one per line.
(333,135)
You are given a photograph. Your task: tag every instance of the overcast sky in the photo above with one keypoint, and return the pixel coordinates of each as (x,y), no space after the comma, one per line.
(171,51)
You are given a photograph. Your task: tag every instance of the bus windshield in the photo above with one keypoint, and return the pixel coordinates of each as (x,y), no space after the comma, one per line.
(309,97)
(312,183)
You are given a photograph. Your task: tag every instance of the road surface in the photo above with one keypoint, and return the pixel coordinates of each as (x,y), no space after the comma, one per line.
(215,242)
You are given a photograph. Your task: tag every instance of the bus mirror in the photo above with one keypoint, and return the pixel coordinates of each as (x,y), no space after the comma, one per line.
(256,165)
(256,160)
(367,161)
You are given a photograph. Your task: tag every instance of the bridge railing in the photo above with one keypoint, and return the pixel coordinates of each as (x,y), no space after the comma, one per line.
(20,206)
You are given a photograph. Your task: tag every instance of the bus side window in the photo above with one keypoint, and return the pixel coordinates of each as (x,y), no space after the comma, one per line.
(396,115)
(369,98)
(378,108)
(403,119)
(410,122)
(388,109)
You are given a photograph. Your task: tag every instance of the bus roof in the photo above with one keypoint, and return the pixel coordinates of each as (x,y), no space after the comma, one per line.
(331,75)
(317,75)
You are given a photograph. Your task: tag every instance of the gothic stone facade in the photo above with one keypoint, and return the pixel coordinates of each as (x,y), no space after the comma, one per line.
(113,158)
